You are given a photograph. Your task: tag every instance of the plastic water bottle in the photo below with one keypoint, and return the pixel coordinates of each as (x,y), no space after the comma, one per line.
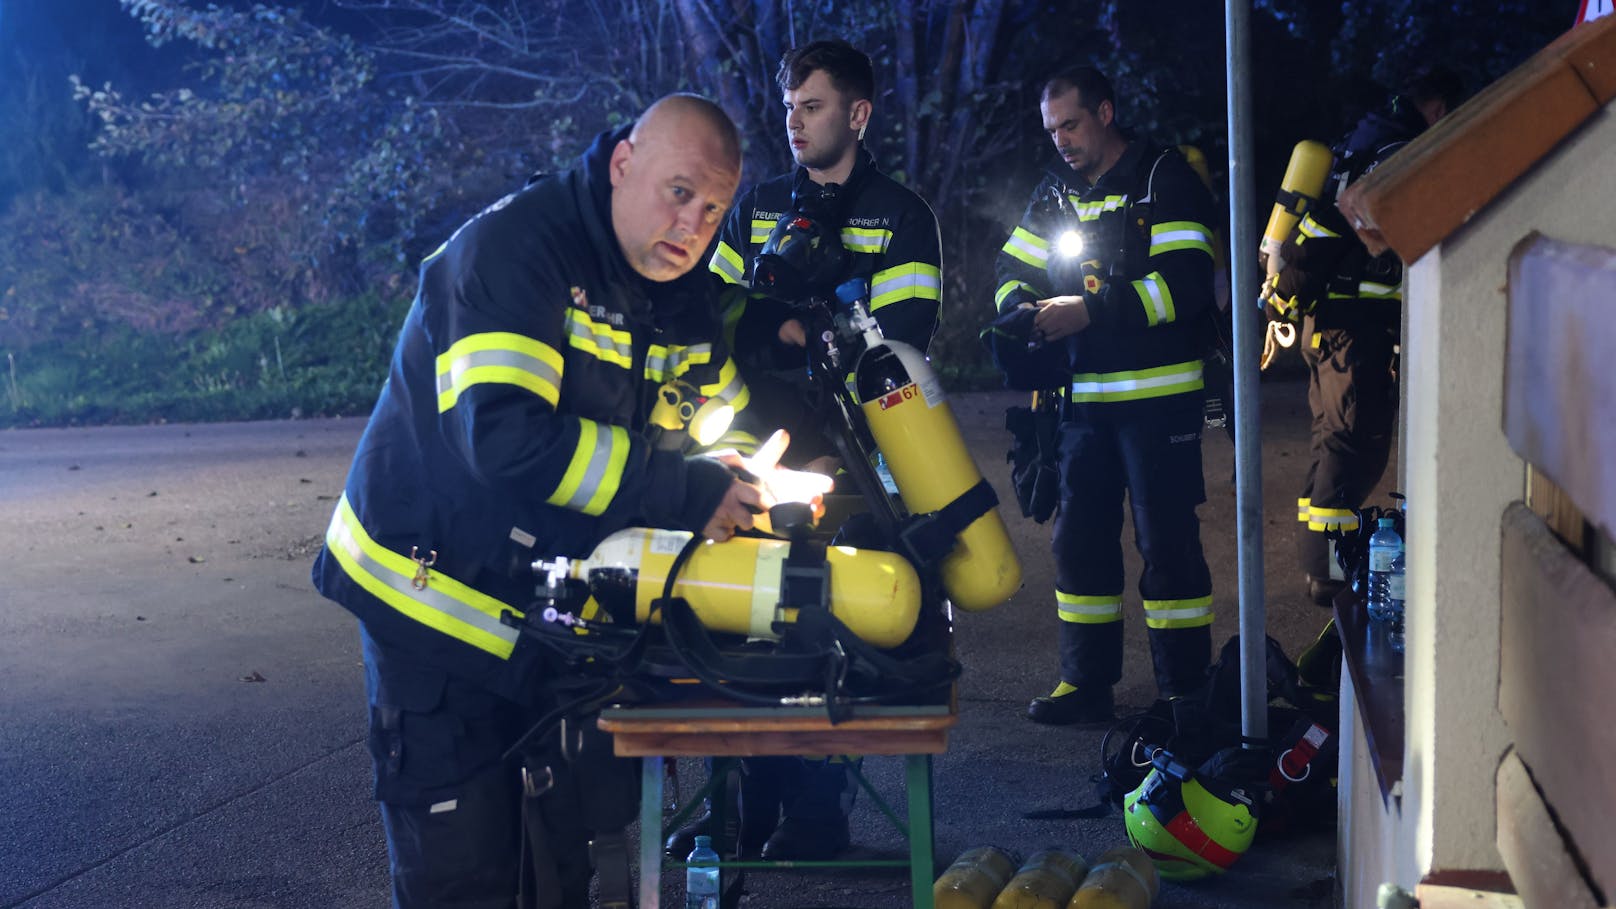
(701,877)
(1394,588)
(1384,548)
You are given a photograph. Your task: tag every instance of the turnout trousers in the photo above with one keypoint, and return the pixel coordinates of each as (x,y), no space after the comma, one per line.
(1352,394)
(1150,452)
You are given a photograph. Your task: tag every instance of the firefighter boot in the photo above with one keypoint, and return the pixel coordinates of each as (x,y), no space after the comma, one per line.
(1091,662)
(1069,705)
(815,827)
(750,823)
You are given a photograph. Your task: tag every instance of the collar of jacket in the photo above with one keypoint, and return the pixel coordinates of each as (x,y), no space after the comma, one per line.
(863,166)
(1124,170)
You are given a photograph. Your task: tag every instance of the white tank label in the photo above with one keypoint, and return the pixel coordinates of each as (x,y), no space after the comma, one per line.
(932,390)
(623,549)
(667,542)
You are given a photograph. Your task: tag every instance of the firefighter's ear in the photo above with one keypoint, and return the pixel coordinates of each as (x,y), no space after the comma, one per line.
(617,167)
(1106,112)
(858,116)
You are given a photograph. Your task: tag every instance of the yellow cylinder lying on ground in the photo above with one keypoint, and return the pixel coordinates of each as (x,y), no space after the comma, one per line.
(1299,191)
(1046,881)
(975,878)
(1122,878)
(734,586)
(915,429)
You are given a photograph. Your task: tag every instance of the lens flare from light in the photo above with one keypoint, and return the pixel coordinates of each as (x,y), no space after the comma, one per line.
(1069,244)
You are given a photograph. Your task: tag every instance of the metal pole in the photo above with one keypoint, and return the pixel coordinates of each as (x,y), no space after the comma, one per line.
(1247,440)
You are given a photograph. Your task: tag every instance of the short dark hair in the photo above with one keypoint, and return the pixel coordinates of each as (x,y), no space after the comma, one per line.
(1092,87)
(1435,82)
(848,68)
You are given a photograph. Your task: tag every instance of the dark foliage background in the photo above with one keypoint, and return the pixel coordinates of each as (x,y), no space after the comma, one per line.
(213,210)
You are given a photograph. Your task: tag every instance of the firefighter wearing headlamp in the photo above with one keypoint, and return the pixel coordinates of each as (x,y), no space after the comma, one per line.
(1104,288)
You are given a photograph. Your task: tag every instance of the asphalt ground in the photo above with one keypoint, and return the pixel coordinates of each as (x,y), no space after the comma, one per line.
(182,720)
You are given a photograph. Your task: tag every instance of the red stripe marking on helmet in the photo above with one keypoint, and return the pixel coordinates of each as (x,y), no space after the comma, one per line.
(1186,831)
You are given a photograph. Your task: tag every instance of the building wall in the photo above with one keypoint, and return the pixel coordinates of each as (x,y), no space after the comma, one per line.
(1460,474)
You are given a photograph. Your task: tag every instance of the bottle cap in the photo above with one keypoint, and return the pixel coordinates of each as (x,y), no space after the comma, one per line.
(704,842)
(1387,522)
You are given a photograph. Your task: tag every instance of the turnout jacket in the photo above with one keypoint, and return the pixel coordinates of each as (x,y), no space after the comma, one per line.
(510,428)
(1145,271)
(1328,271)
(890,232)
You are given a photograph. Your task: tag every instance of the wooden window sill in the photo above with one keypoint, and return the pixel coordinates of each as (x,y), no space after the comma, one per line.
(1377,679)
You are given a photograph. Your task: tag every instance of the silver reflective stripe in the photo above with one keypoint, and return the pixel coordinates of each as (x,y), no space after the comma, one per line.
(509,358)
(1153,290)
(599,461)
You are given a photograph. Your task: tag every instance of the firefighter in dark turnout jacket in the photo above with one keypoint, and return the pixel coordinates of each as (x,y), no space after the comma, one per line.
(509,429)
(889,232)
(1107,282)
(1350,306)
(796,809)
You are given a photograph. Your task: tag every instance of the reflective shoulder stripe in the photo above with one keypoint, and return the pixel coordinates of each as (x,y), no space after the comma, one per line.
(726,263)
(1157,382)
(1008,288)
(596,469)
(1374,290)
(1169,236)
(909,281)
(1028,247)
(1311,228)
(604,342)
(498,357)
(728,387)
(866,239)
(1302,509)
(1156,298)
(444,604)
(672,361)
(1190,613)
(761,228)
(1088,610)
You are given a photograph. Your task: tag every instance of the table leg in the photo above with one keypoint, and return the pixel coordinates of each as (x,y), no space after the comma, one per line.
(917,777)
(651,833)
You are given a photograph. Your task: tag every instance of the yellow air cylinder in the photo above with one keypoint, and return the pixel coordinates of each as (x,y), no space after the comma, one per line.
(1299,191)
(1046,881)
(734,586)
(974,879)
(914,427)
(1122,878)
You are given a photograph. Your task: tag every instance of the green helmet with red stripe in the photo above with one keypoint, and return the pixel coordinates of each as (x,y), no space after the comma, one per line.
(1191,825)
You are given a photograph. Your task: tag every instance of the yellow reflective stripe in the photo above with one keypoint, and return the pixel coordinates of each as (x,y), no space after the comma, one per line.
(436,252)
(1091,211)
(1303,510)
(1192,613)
(1374,290)
(599,340)
(672,361)
(761,228)
(596,469)
(1311,228)
(1028,247)
(1173,235)
(1160,381)
(909,281)
(444,604)
(866,239)
(498,357)
(1084,610)
(1331,518)
(743,442)
(726,263)
(1010,287)
(728,387)
(1156,298)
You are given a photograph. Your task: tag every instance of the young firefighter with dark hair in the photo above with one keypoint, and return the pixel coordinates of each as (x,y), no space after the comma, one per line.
(1106,284)
(801,807)
(511,429)
(1350,305)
